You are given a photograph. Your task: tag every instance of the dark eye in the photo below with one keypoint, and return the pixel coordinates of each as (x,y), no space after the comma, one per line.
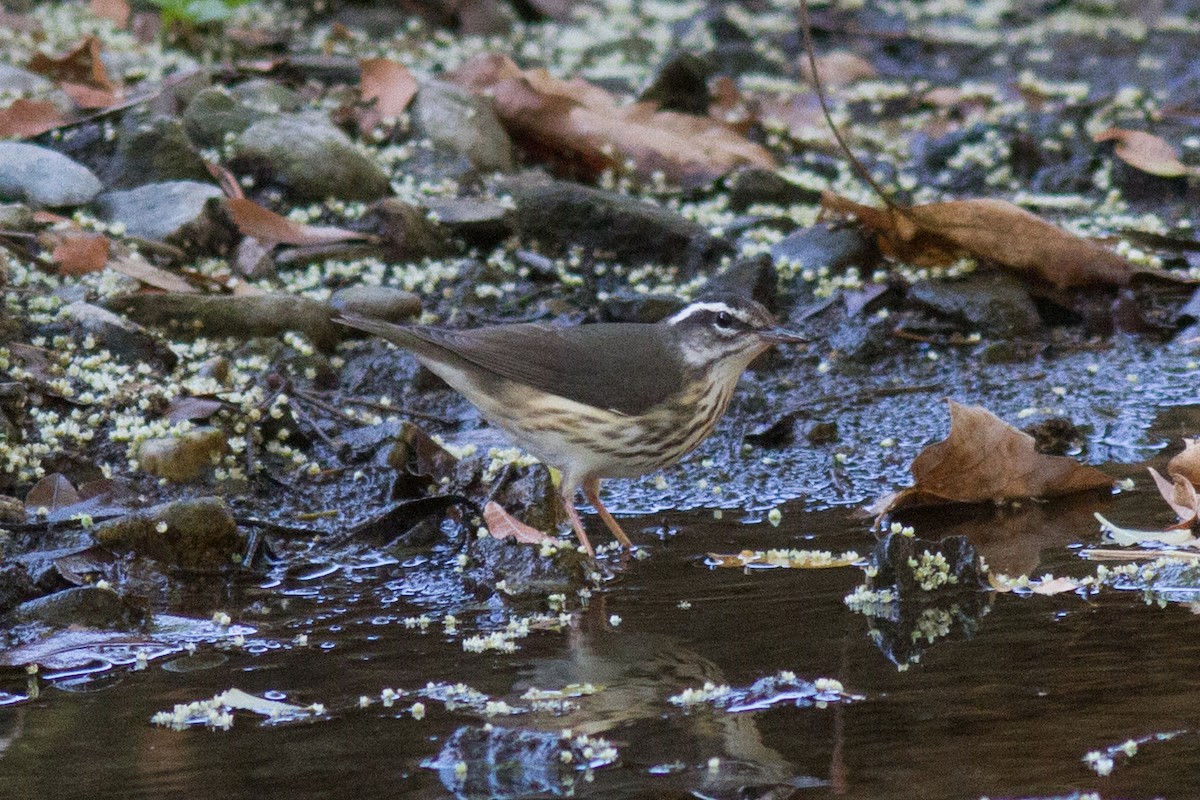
(724,319)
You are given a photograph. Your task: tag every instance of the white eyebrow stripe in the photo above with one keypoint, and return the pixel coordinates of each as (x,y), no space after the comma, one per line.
(696,308)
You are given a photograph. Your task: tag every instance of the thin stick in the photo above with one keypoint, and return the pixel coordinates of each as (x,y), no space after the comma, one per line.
(859,167)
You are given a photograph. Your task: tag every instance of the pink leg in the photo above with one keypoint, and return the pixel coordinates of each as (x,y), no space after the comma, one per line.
(568,502)
(591,488)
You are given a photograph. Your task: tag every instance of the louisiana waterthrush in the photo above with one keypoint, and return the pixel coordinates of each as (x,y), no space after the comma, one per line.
(608,400)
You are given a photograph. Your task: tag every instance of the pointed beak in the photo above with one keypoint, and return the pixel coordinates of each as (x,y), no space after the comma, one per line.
(781,336)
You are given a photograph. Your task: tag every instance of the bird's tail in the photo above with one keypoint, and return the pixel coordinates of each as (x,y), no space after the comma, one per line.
(397,334)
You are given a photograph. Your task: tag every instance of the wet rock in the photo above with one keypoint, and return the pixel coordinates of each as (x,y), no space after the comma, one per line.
(14,397)
(42,177)
(198,534)
(482,223)
(753,277)
(525,572)
(408,232)
(995,303)
(15,81)
(213,114)
(267,96)
(775,434)
(379,302)
(246,316)
(125,339)
(310,159)
(562,215)
(823,246)
(158,150)
(1057,436)
(82,606)
(909,566)
(822,433)
(626,306)
(750,186)
(16,217)
(924,592)
(158,211)
(532,496)
(856,340)
(182,458)
(681,85)
(456,120)
(16,586)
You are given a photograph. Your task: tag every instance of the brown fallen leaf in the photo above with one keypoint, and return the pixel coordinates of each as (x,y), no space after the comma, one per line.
(25,118)
(115,11)
(1144,151)
(984,459)
(81,74)
(132,265)
(581,129)
(192,408)
(267,226)
(51,493)
(1181,492)
(388,87)
(995,230)
(503,525)
(81,253)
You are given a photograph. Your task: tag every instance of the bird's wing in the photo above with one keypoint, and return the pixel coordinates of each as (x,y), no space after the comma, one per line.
(624,367)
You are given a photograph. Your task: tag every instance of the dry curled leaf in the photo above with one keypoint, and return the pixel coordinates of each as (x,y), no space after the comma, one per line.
(388,86)
(1127,537)
(995,230)
(267,226)
(579,127)
(25,118)
(1144,151)
(503,525)
(985,459)
(1181,492)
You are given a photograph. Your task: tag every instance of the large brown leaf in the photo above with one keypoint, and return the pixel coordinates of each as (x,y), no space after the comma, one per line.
(995,230)
(580,128)
(985,459)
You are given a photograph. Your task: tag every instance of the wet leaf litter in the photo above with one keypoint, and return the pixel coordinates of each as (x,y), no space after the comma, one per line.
(194,434)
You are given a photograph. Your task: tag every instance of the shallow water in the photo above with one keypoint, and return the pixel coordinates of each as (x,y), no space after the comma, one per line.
(1008,712)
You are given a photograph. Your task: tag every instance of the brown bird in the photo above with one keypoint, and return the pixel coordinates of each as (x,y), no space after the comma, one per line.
(609,400)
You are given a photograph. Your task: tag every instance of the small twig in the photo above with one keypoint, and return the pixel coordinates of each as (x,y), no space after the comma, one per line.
(386,409)
(819,86)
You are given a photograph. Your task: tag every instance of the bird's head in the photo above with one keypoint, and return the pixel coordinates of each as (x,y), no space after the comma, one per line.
(726,332)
